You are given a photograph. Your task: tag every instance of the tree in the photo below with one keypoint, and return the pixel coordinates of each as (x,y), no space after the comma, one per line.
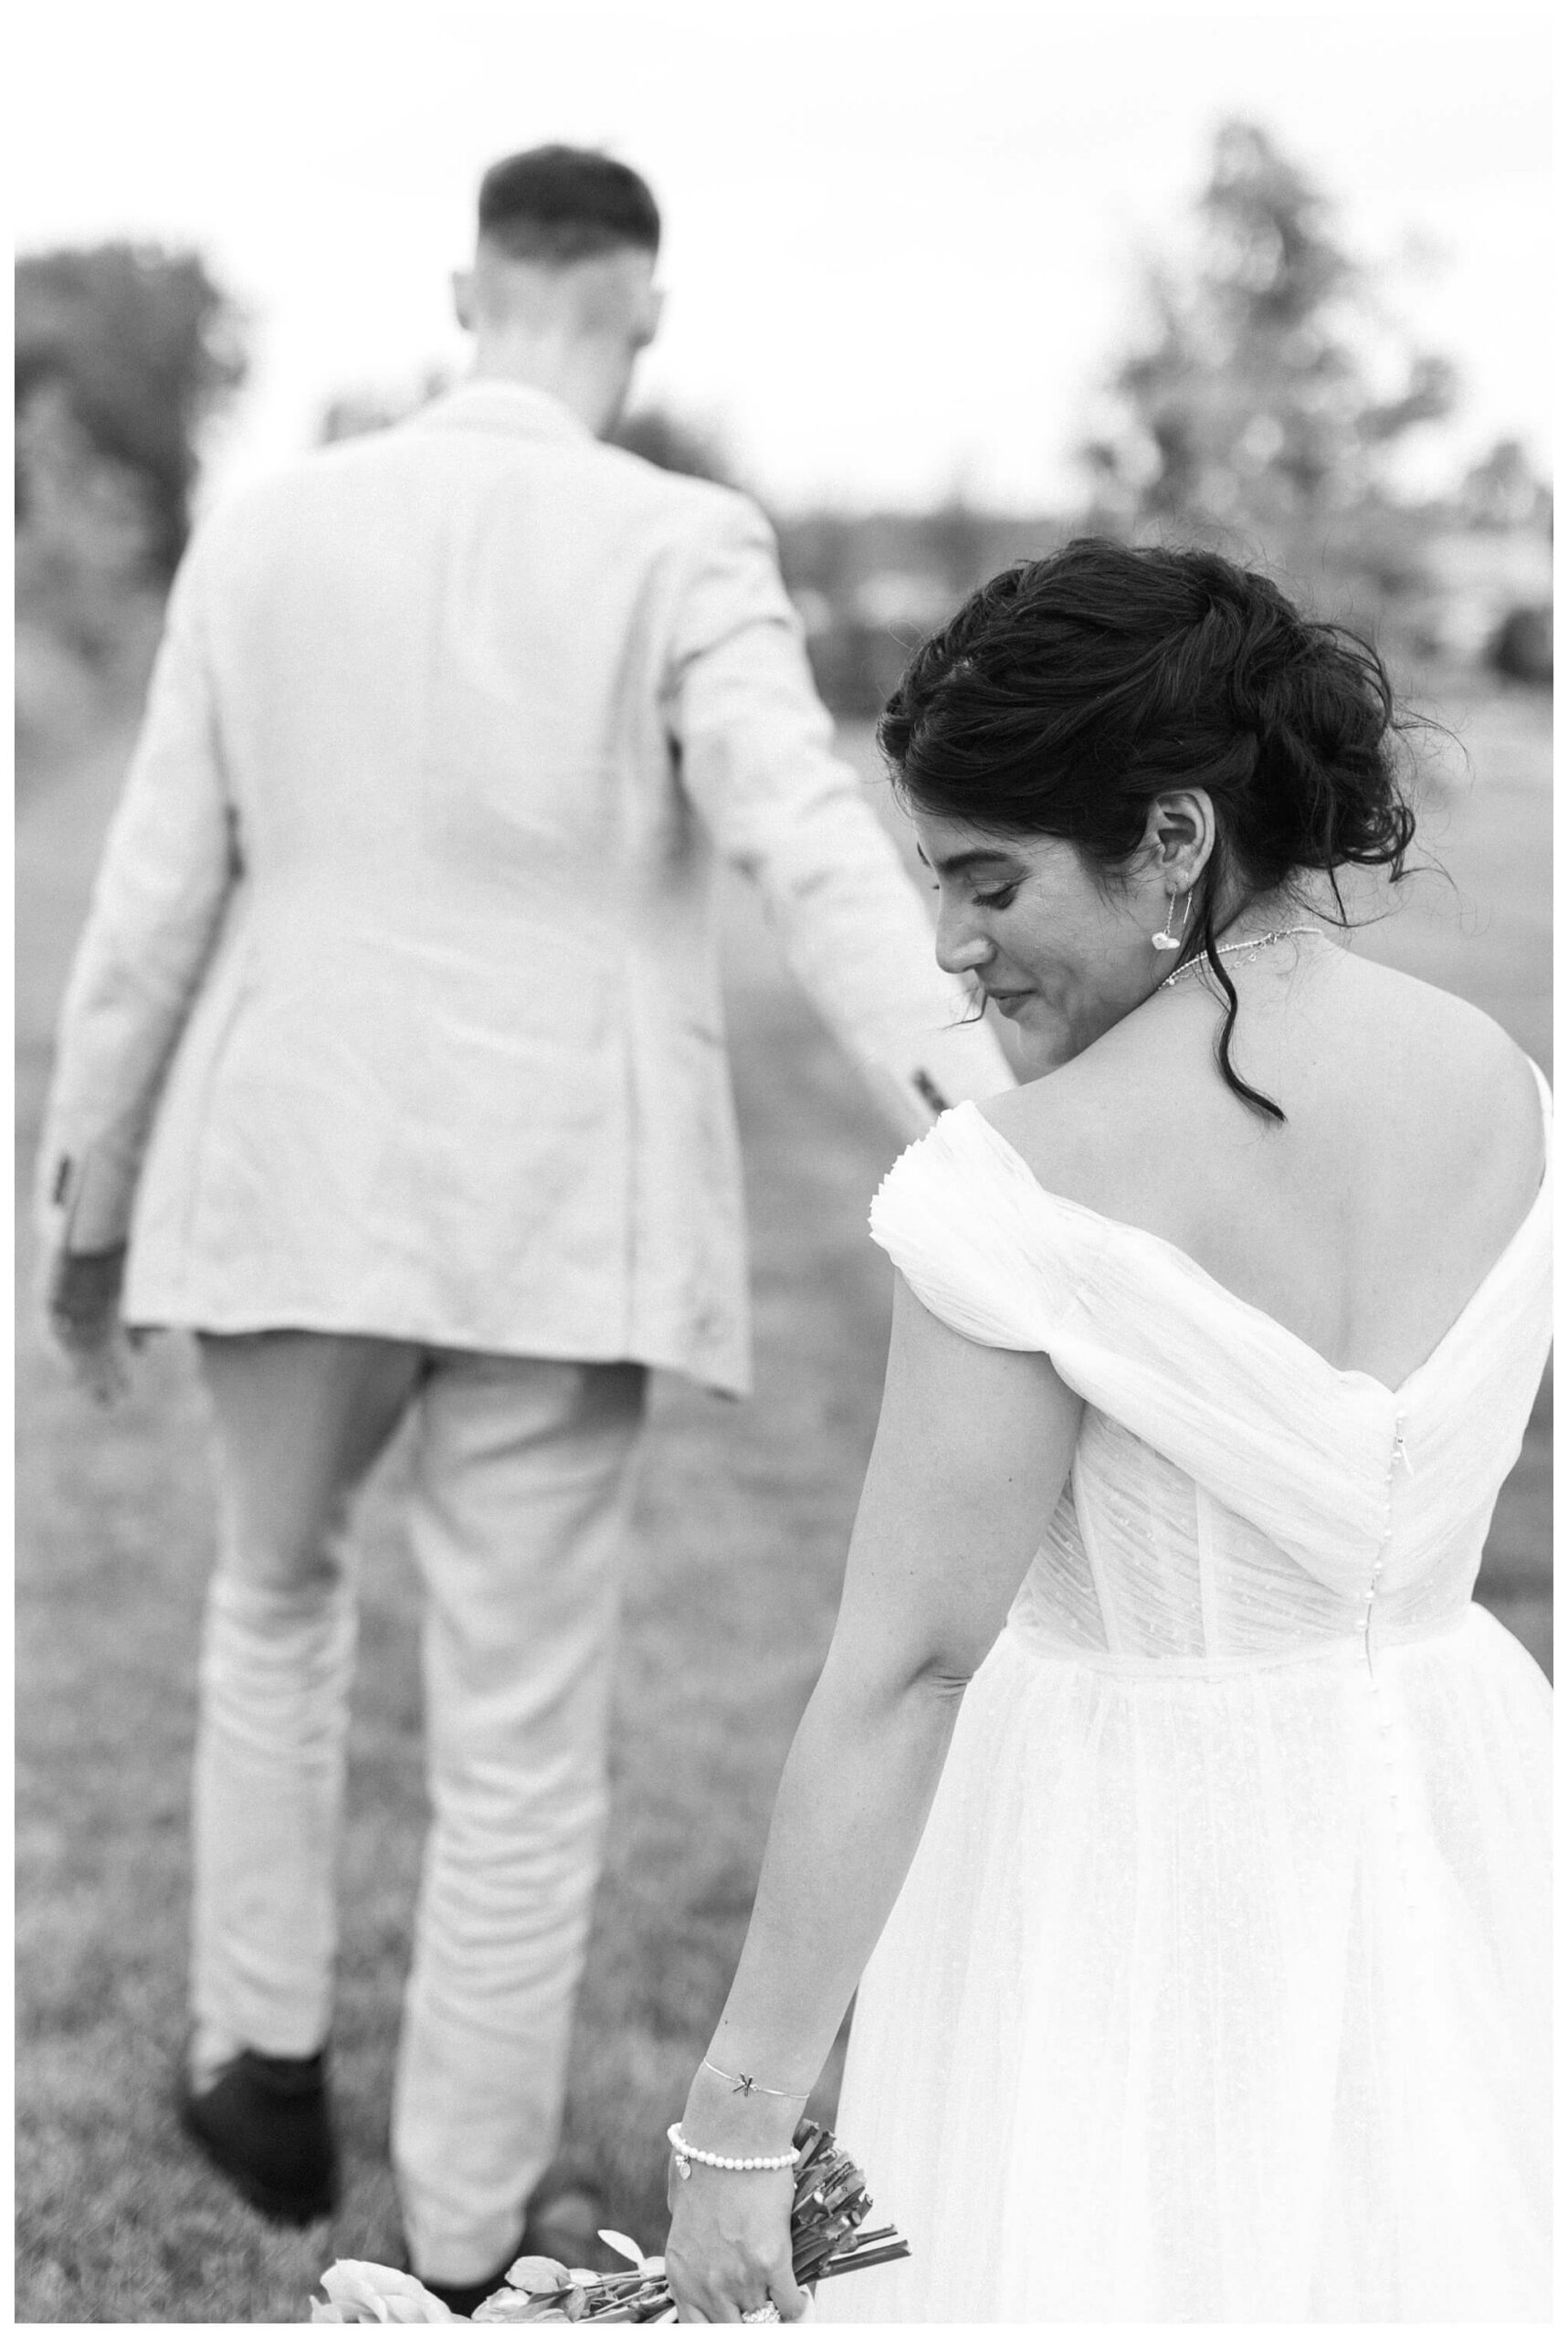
(1272,390)
(674,443)
(1503,491)
(140,345)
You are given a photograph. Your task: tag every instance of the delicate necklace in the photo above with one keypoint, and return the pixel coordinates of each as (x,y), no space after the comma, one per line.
(1229,949)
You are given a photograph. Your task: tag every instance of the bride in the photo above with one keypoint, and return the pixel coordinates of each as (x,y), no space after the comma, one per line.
(1179,1816)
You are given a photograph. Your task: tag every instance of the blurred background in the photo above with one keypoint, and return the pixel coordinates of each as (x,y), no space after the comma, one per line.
(944,290)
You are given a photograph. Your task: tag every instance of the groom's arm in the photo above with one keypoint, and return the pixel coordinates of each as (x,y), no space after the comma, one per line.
(757,757)
(166,871)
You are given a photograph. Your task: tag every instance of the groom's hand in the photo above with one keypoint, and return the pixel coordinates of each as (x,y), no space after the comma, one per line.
(81,1298)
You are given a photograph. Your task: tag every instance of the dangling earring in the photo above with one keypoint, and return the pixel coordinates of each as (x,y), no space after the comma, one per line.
(1165,939)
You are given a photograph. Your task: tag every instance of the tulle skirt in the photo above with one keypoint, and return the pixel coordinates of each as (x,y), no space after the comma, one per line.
(1220,1998)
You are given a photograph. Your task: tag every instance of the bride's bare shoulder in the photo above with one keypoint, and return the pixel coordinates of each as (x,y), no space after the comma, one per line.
(1090,1129)
(1454,1073)
(1409,1039)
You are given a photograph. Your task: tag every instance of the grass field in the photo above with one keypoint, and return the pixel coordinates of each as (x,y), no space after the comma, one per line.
(732,1587)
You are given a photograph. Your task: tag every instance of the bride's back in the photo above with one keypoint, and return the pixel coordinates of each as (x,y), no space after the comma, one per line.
(1410,1153)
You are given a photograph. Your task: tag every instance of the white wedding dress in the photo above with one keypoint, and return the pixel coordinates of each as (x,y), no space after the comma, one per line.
(1219,1988)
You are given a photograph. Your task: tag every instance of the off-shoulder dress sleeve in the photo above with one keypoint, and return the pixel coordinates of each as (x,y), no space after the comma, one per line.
(980,1251)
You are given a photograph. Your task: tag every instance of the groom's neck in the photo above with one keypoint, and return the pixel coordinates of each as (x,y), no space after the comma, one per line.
(589,380)
(572,330)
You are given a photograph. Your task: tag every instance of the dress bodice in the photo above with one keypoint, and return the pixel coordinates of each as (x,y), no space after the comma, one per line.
(1234,1498)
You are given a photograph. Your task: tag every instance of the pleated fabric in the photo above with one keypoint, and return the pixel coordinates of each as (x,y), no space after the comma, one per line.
(1220,1986)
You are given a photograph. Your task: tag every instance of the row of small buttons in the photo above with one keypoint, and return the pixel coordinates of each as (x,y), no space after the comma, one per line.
(1398,1458)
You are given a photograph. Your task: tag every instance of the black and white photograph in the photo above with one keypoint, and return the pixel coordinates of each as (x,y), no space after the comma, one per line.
(782,989)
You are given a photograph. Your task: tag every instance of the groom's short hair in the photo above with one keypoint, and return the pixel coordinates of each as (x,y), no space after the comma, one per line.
(554,204)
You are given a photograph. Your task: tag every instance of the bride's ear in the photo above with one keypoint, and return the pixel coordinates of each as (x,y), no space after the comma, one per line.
(1179,835)
(463,297)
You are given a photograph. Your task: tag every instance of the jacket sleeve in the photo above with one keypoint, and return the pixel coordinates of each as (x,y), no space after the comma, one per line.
(168,866)
(756,752)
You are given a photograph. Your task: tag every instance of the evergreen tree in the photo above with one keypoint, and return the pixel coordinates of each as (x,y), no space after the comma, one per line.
(1272,391)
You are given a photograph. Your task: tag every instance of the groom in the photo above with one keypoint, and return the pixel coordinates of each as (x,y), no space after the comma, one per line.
(392,1064)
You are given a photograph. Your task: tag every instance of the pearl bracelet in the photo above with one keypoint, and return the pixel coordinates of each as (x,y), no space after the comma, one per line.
(686,2153)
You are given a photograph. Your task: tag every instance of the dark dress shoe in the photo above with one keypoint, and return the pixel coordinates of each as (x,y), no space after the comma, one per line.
(264,2124)
(564,2220)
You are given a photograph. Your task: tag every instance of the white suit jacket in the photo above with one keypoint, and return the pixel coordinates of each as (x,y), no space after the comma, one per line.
(398,1007)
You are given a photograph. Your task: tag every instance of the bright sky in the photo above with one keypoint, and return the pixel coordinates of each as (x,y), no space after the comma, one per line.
(902,239)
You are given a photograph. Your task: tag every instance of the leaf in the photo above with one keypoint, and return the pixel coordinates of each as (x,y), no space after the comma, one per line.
(539,2276)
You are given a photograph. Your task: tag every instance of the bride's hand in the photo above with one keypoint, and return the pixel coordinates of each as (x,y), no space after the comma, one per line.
(728,2247)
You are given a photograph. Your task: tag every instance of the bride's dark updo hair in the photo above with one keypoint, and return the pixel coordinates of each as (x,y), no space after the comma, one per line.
(1068,692)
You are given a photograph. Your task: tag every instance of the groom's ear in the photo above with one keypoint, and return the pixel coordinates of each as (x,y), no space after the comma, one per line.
(463,297)
(639,301)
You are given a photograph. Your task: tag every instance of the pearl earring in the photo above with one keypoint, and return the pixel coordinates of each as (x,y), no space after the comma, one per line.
(1165,939)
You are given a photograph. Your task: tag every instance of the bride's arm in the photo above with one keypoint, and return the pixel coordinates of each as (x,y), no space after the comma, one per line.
(972,1451)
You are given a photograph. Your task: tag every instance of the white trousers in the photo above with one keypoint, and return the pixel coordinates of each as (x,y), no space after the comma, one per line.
(522,1481)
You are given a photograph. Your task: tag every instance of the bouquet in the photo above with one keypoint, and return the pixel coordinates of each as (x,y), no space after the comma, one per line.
(830,2207)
